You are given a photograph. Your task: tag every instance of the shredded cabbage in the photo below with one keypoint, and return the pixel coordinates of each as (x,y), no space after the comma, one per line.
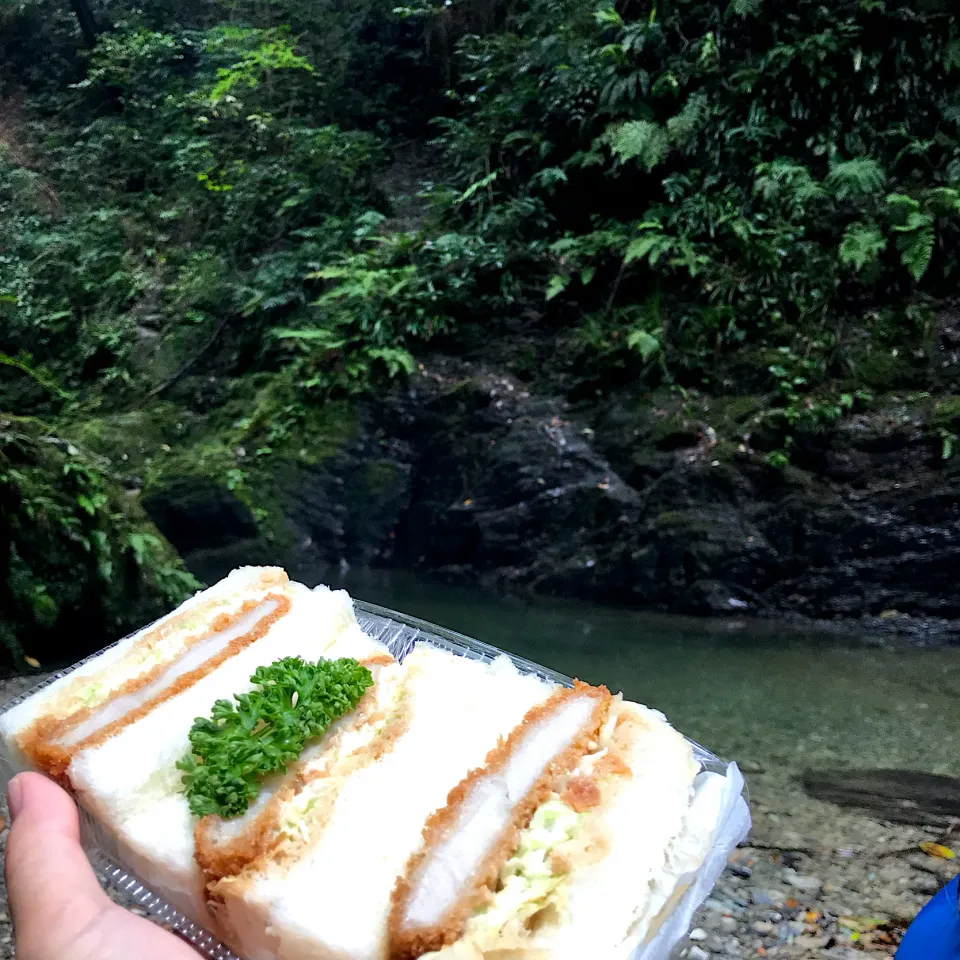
(528,882)
(527,878)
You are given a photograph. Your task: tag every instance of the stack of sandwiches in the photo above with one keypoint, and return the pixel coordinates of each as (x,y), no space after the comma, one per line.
(447,807)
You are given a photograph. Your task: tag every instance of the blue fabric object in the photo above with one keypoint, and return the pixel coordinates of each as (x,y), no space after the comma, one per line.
(935,934)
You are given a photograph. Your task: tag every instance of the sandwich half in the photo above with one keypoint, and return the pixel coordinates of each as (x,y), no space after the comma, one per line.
(561,867)
(114,733)
(127,681)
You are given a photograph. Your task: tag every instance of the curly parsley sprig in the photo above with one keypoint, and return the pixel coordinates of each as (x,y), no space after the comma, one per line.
(265,730)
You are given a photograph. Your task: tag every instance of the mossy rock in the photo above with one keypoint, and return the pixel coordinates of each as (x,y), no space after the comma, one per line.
(686,523)
(733,415)
(134,439)
(880,369)
(243,445)
(674,432)
(946,413)
(380,477)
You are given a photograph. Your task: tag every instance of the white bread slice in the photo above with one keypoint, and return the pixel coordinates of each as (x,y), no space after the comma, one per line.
(130,782)
(333,901)
(684,856)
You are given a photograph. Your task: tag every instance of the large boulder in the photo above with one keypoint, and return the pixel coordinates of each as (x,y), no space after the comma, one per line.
(307,509)
(663,504)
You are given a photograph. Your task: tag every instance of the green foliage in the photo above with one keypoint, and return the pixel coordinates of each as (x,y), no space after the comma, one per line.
(793,178)
(215,200)
(719,196)
(862,245)
(273,51)
(80,563)
(947,441)
(855,179)
(639,140)
(292,702)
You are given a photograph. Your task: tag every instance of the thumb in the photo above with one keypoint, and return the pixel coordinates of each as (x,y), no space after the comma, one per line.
(48,874)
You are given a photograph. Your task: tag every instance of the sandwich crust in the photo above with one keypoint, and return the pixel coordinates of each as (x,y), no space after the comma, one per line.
(407,942)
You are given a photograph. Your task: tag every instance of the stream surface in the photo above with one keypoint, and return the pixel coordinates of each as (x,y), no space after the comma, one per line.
(754,691)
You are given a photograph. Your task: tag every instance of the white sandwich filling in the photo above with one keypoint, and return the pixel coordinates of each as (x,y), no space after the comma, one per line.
(166,647)
(203,650)
(487,810)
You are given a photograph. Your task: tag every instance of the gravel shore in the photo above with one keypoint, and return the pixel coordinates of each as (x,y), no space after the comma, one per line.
(816,881)
(813,880)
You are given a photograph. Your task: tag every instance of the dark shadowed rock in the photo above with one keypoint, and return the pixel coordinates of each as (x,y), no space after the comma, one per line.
(197,513)
(464,474)
(903,796)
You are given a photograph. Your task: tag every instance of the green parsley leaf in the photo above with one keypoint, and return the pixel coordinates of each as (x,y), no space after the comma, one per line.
(265,730)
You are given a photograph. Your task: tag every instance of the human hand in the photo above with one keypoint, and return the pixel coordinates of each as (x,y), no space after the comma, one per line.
(59,910)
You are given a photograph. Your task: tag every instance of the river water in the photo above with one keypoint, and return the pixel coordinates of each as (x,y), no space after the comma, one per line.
(753,691)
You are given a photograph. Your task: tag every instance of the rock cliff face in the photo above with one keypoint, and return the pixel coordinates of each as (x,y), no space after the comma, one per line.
(468,476)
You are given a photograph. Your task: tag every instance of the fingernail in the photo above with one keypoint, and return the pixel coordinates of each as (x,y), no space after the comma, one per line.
(14,797)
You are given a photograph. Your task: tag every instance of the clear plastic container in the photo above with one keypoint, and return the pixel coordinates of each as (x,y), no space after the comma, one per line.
(401,633)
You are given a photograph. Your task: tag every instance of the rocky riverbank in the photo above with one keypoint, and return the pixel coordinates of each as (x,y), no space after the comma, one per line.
(816,881)
(812,880)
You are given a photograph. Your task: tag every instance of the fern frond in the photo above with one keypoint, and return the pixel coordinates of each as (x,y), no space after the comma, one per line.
(650,247)
(862,244)
(855,178)
(744,8)
(688,121)
(782,178)
(640,140)
(646,344)
(916,251)
(943,201)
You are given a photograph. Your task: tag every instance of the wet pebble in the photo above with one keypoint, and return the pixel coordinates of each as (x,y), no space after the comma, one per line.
(770,897)
(728,924)
(925,883)
(802,882)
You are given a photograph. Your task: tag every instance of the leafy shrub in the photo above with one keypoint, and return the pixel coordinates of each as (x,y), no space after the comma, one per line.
(763,170)
(81,564)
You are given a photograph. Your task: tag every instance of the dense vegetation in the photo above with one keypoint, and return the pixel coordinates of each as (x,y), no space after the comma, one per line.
(196,211)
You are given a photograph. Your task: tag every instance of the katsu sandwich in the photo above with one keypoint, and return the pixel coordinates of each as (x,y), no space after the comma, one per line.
(283,780)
